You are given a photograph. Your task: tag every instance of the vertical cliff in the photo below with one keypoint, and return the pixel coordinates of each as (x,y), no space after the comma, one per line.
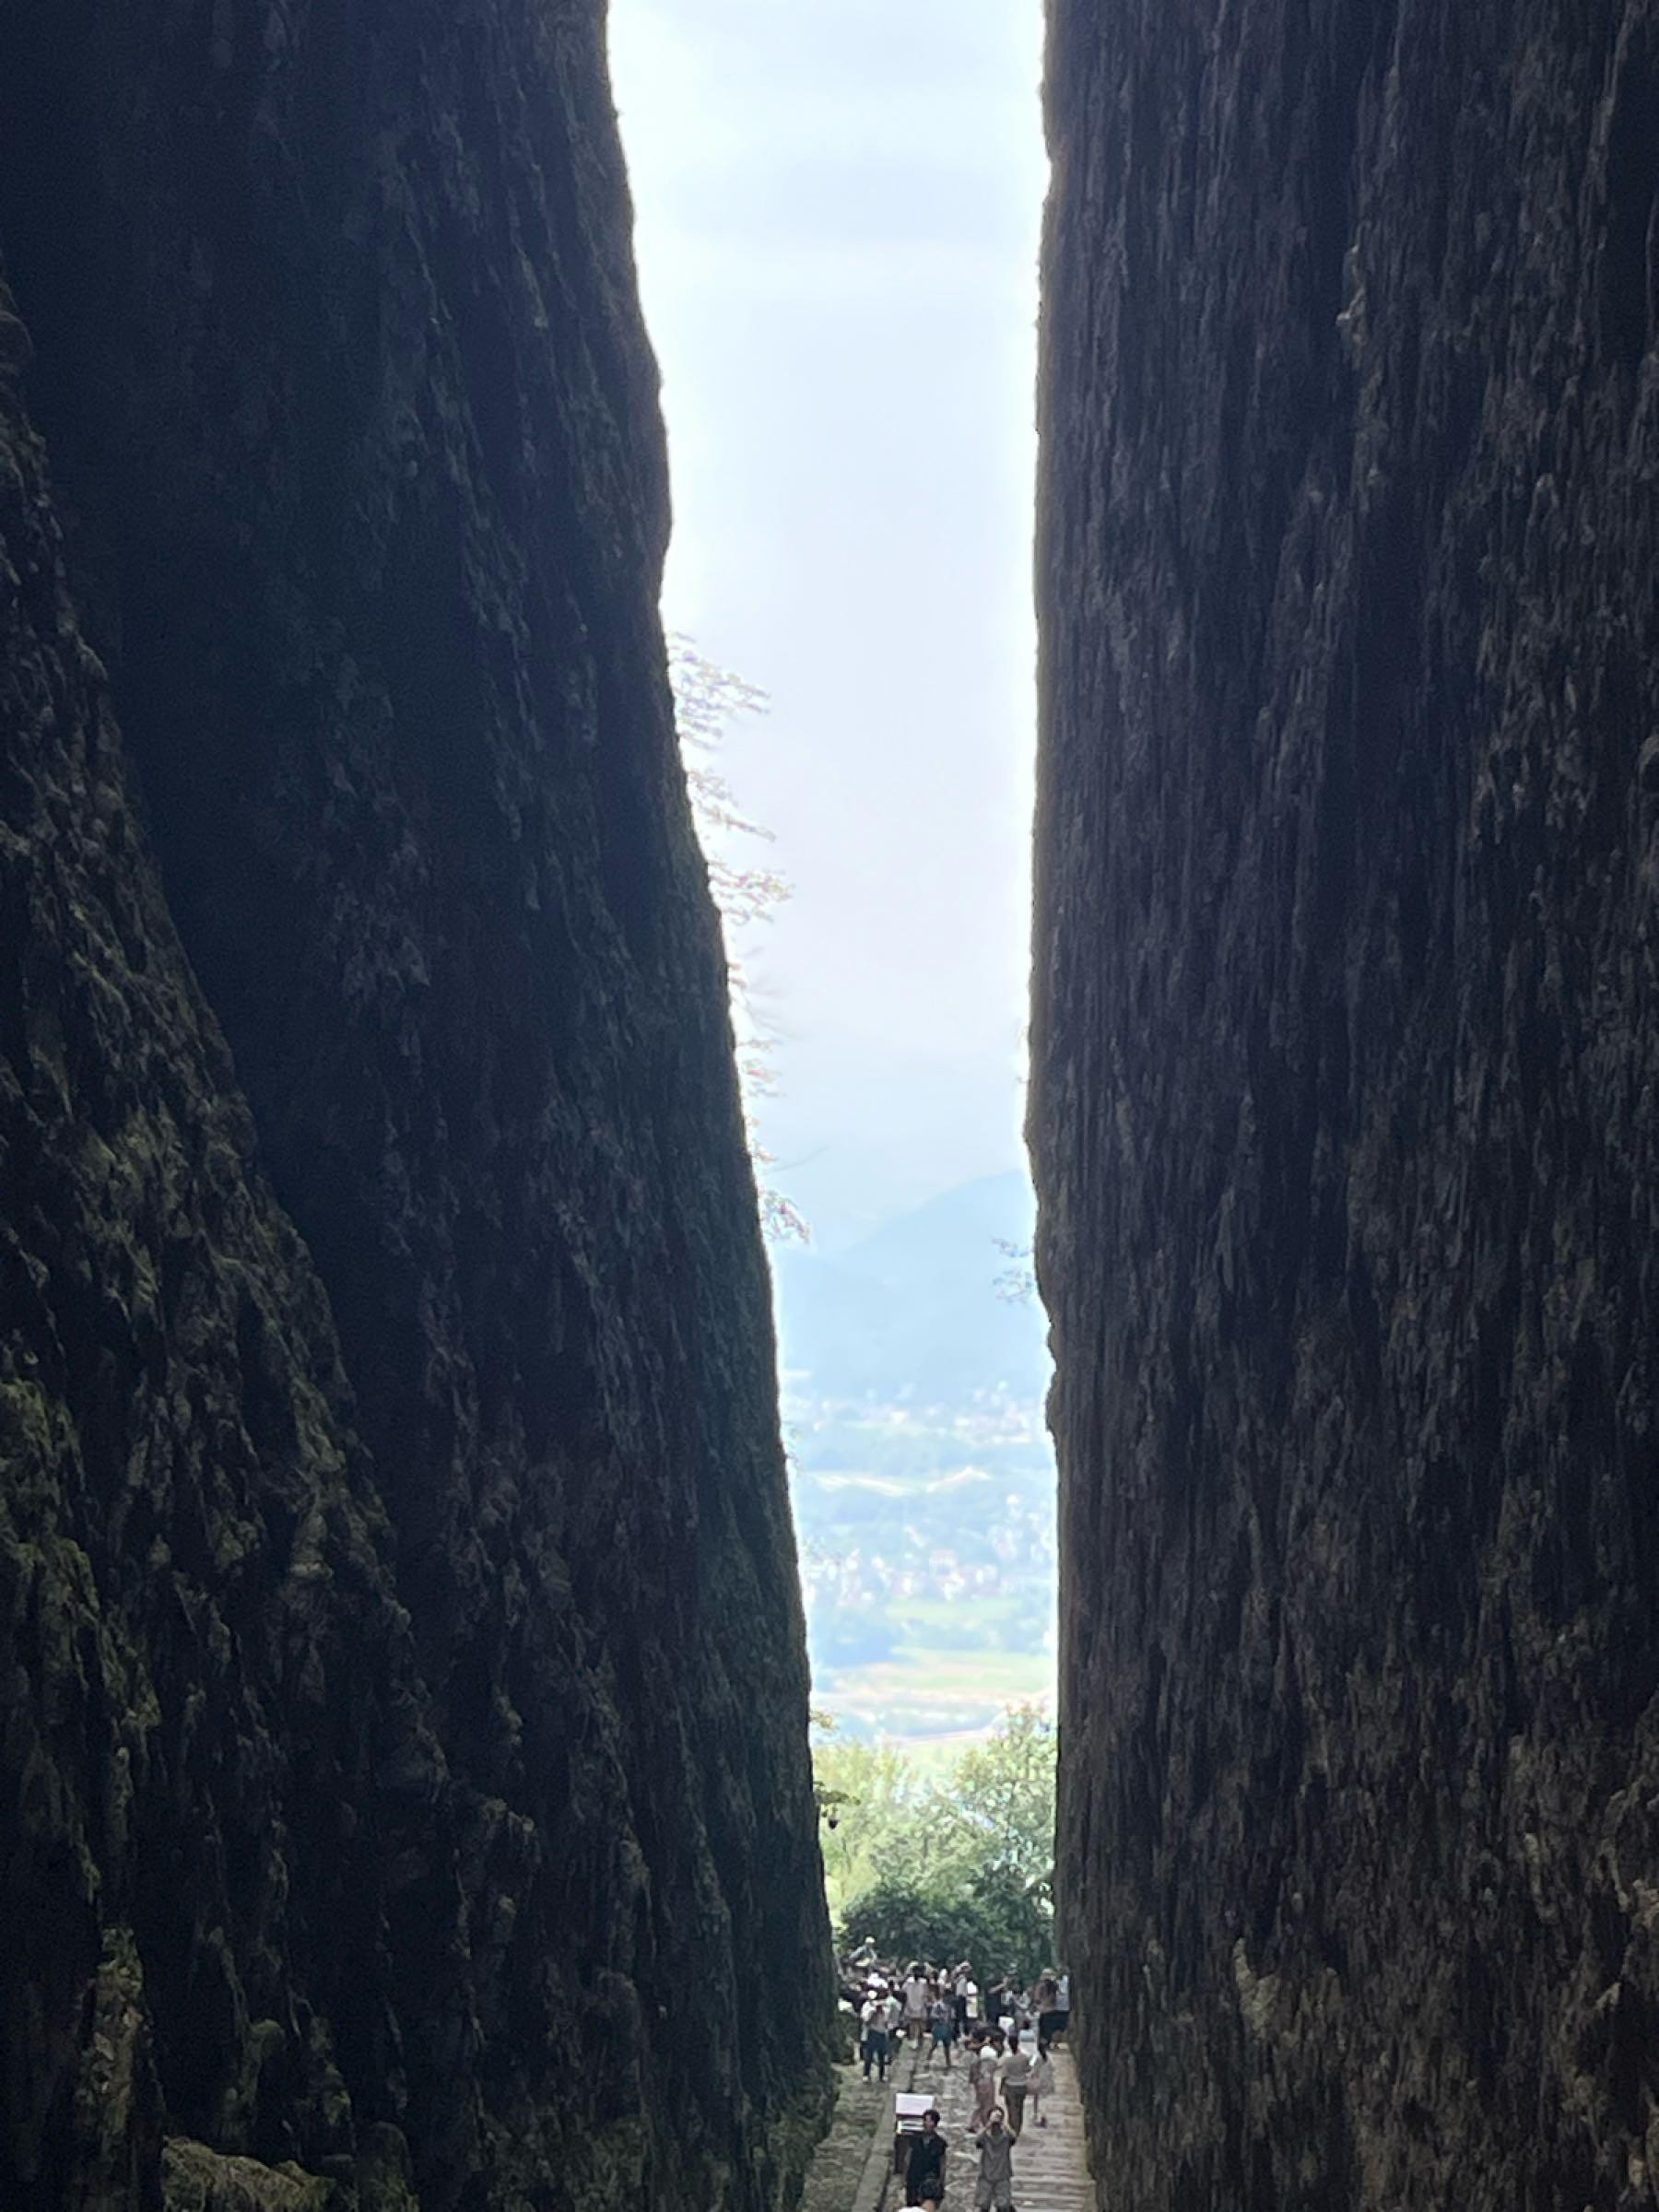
(408,1703)
(1345,1113)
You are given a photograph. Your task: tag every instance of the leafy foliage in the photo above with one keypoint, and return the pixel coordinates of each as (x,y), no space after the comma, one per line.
(1000,1814)
(880,1815)
(959,1867)
(989,1920)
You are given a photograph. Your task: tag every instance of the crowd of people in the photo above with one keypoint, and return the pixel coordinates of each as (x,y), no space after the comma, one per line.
(1004,2033)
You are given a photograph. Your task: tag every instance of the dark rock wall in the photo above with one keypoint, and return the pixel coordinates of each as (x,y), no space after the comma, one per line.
(1345,1113)
(454,1660)
(209,1675)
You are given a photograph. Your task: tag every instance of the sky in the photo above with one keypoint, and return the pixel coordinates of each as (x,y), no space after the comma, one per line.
(837,206)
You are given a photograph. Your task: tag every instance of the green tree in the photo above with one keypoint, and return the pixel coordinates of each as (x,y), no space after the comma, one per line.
(998,1811)
(873,1806)
(990,1920)
(959,1868)
(1013,1926)
(909,1920)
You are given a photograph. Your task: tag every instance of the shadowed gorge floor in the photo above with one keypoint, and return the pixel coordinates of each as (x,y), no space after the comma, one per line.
(1344,1106)
(407,1736)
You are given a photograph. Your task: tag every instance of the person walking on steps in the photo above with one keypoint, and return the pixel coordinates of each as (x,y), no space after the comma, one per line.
(877,2041)
(1016,2081)
(982,2081)
(915,2003)
(1043,2083)
(994,2191)
(999,2051)
(924,2168)
(941,2020)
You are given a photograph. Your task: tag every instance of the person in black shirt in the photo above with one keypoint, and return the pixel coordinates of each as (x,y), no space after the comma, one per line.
(925,2173)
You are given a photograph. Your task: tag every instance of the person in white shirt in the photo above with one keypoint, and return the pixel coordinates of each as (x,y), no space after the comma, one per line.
(915,2003)
(981,2077)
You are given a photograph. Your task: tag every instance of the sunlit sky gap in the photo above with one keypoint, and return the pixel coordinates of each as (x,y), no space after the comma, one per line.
(838,205)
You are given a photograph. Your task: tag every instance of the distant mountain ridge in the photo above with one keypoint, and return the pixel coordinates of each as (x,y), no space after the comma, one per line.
(913,1314)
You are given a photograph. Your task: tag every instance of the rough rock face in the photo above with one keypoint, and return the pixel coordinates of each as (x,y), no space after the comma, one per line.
(404,1750)
(1346,1103)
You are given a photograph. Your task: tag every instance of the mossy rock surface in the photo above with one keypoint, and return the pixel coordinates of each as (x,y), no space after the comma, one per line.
(397,1576)
(194,2179)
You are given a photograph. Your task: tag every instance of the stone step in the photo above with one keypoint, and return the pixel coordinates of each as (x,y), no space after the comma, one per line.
(1051,2165)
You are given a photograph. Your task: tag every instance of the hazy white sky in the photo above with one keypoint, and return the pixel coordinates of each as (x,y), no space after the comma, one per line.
(838,204)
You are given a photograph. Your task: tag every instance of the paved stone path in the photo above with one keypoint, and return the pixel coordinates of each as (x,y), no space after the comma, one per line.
(836,2180)
(1051,2169)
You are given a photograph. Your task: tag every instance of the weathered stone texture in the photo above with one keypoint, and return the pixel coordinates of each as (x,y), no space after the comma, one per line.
(209,1675)
(409,1664)
(1345,1113)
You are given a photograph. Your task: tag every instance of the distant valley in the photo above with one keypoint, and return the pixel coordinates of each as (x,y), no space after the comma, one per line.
(923,1477)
